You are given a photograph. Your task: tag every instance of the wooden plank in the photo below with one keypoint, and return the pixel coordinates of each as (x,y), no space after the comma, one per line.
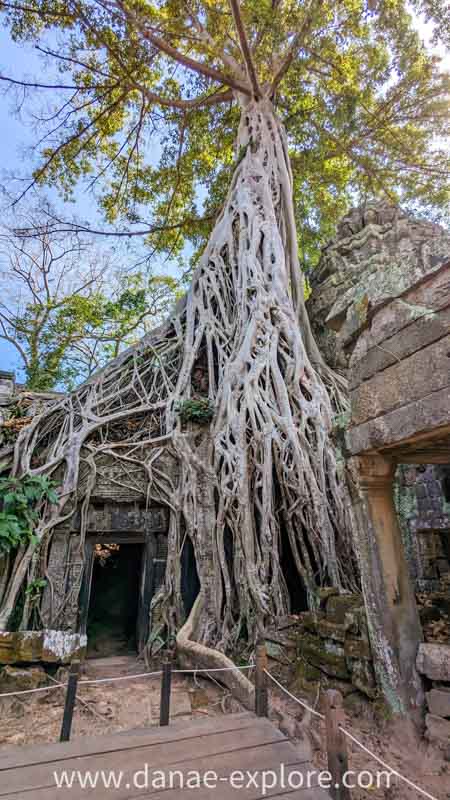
(303,794)
(158,755)
(227,792)
(257,759)
(12,757)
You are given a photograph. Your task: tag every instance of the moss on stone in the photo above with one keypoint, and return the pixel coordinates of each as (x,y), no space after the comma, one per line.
(316,651)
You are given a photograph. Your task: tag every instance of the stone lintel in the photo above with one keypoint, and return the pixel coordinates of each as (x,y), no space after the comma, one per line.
(423,417)
(426,371)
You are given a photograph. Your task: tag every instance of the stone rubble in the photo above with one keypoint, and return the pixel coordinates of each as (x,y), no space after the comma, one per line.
(433,662)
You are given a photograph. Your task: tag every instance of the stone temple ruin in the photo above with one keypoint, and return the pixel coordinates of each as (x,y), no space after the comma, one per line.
(385,294)
(380,310)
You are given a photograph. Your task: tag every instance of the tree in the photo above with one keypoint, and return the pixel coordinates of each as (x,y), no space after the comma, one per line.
(50,299)
(65,309)
(136,302)
(346,90)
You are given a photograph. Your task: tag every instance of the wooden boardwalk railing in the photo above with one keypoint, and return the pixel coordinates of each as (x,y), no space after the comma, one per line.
(336,736)
(335,741)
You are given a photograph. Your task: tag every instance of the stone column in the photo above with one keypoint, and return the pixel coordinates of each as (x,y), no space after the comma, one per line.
(393,620)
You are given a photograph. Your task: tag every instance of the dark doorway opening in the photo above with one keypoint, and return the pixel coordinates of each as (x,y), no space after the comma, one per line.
(190,584)
(297,592)
(114,599)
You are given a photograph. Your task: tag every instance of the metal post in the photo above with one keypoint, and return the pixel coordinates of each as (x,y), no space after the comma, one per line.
(166,682)
(69,704)
(261,696)
(336,745)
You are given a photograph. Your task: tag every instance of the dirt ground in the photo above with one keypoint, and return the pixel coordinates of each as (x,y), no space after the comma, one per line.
(122,706)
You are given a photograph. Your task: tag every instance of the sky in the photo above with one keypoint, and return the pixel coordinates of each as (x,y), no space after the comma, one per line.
(17,135)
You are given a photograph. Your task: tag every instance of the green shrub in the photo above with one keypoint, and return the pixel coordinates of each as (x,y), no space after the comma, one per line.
(19,501)
(200,411)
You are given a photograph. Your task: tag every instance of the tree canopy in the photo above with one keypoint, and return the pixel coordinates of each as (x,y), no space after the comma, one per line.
(144,105)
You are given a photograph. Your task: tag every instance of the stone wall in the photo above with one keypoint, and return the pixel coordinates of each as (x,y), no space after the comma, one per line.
(333,644)
(433,663)
(48,646)
(424,512)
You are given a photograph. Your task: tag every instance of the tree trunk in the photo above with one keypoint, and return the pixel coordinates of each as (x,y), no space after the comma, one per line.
(264,471)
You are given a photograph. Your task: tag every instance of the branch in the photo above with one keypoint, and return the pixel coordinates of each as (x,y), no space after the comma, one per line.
(32,85)
(186,61)
(235,8)
(76,136)
(184,105)
(68,227)
(297,41)
(165,102)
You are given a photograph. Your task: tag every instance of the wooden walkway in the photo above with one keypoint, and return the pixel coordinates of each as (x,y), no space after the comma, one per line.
(221,744)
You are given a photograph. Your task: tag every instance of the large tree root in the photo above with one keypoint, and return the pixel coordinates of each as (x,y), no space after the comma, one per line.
(193,655)
(264,472)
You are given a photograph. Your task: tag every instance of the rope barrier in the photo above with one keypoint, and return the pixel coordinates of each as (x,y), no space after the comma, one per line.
(119,678)
(214,669)
(31,691)
(91,681)
(293,697)
(356,741)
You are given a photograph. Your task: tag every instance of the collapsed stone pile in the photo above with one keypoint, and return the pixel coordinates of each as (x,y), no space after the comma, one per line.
(334,643)
(433,663)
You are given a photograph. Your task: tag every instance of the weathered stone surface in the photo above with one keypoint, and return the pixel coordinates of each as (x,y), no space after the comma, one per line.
(378,254)
(275,651)
(438,701)
(320,654)
(22,678)
(433,660)
(426,371)
(331,630)
(363,677)
(47,646)
(339,605)
(16,647)
(357,648)
(325,594)
(414,314)
(306,676)
(437,729)
(355,622)
(419,417)
(370,358)
(64,569)
(7,387)
(308,621)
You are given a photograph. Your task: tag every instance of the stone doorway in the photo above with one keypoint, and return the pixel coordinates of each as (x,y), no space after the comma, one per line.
(114,599)
(117,590)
